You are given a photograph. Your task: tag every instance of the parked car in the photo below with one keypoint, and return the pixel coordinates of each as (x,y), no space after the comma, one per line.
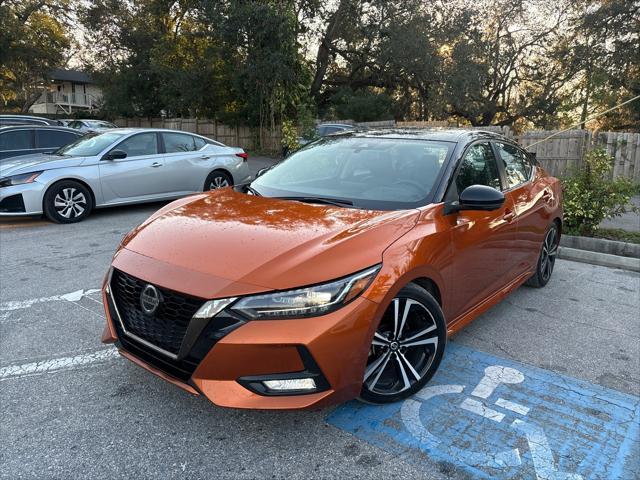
(65,121)
(119,166)
(90,125)
(29,139)
(338,273)
(26,120)
(322,130)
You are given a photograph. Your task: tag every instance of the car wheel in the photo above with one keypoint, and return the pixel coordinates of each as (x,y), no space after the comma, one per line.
(67,202)
(407,347)
(217,180)
(547,259)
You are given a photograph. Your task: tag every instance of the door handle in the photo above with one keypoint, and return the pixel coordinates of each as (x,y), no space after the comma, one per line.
(509,215)
(205,157)
(156,164)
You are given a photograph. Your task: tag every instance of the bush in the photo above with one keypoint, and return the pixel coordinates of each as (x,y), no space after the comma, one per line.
(289,136)
(590,196)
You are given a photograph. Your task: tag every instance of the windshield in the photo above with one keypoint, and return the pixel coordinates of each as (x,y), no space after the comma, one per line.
(90,144)
(376,173)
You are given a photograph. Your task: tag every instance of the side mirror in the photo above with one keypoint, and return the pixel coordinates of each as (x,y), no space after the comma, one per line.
(480,197)
(115,155)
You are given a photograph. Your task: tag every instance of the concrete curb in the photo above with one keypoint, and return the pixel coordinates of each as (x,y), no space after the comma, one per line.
(597,258)
(601,245)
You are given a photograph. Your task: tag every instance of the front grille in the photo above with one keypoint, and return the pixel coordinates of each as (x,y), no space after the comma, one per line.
(168,324)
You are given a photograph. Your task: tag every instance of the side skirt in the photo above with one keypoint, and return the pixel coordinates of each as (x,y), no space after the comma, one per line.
(466,318)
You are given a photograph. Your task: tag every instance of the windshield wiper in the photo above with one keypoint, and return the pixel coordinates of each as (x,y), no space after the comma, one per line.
(339,202)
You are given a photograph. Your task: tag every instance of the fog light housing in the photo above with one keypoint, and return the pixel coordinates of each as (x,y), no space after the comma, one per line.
(288,384)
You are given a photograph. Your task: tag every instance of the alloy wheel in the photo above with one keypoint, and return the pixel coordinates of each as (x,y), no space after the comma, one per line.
(549,252)
(70,202)
(218,182)
(403,348)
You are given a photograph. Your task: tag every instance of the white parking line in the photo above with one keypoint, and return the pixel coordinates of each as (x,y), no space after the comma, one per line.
(57,364)
(70,297)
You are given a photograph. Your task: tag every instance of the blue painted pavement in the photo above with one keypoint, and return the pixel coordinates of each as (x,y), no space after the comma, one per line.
(496,418)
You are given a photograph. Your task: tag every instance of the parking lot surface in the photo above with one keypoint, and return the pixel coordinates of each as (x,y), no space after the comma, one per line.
(544,385)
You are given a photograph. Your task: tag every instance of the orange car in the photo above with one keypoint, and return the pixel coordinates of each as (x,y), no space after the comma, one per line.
(339,273)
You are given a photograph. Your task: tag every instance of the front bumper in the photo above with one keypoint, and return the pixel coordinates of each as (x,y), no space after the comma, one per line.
(334,347)
(22,200)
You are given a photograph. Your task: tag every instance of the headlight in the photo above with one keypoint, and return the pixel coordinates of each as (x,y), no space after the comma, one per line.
(19,179)
(306,302)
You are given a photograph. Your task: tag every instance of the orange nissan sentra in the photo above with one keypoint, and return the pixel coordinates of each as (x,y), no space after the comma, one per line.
(339,273)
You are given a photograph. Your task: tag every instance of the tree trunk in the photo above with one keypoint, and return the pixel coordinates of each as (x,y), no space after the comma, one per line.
(324,49)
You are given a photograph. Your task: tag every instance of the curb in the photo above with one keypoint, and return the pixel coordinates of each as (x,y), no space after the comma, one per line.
(601,245)
(597,258)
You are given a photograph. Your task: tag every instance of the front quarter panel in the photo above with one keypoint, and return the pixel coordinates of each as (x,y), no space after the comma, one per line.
(424,252)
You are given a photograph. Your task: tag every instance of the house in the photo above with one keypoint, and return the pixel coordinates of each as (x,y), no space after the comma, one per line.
(67,91)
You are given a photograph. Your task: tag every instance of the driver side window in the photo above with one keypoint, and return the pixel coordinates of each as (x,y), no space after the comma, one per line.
(140,144)
(478,167)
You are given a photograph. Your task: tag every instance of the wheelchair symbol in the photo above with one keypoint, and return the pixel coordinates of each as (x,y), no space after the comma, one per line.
(543,461)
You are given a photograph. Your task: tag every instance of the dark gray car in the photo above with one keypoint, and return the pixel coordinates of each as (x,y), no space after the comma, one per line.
(27,139)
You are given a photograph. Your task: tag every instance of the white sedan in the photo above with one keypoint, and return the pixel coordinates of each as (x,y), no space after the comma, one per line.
(117,167)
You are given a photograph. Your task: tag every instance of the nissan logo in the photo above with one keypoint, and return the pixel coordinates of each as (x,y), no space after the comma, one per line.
(150,299)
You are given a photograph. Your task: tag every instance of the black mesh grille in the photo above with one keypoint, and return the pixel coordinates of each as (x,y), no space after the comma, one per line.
(167,326)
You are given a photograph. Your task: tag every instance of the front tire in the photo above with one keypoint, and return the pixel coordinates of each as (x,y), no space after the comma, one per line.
(407,347)
(67,201)
(547,258)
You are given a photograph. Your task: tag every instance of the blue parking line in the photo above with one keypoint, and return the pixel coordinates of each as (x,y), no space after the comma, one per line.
(496,418)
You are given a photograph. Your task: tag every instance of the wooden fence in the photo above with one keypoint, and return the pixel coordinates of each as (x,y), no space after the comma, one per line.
(565,152)
(559,155)
(255,139)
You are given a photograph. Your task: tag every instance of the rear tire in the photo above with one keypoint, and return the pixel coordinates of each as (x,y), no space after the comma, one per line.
(217,179)
(67,201)
(547,258)
(407,347)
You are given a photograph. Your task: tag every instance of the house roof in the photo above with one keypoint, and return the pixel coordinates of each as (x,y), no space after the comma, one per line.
(75,76)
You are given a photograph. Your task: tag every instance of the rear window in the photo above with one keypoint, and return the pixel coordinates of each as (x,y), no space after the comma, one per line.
(17,140)
(178,142)
(54,138)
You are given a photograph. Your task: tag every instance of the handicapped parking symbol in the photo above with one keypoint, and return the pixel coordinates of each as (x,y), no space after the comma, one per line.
(494,376)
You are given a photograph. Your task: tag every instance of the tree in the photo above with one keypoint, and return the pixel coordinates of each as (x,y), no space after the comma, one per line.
(33,41)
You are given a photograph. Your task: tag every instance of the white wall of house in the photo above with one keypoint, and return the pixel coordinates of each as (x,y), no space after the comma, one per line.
(66,97)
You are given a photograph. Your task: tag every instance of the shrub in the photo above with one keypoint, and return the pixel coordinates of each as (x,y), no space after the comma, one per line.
(289,136)
(590,196)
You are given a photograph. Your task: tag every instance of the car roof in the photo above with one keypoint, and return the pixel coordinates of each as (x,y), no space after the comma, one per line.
(457,135)
(89,120)
(27,117)
(336,125)
(6,128)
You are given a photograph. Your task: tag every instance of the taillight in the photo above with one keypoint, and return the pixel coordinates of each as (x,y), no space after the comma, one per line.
(244,156)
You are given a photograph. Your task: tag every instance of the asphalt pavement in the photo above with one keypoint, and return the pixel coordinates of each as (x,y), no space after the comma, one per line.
(72,408)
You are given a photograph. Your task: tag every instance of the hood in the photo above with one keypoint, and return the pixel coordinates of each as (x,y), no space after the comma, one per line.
(270,243)
(35,162)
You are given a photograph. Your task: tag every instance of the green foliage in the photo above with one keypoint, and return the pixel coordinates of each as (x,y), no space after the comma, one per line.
(590,196)
(618,235)
(33,40)
(290,136)
(360,106)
